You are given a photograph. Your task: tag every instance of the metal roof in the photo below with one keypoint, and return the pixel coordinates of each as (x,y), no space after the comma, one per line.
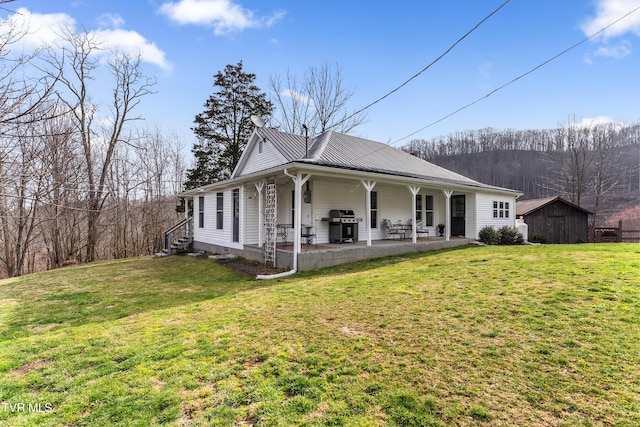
(336,150)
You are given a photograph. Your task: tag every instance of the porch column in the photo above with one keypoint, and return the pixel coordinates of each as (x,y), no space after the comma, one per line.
(298,180)
(188,227)
(414,191)
(260,187)
(447,223)
(368,185)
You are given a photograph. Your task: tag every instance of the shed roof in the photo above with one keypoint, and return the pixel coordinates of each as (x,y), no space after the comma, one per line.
(526,207)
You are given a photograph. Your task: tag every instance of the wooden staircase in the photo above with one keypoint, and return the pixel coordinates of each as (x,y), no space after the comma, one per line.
(178,238)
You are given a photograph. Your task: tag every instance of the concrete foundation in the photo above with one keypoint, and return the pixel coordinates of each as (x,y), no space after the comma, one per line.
(334,254)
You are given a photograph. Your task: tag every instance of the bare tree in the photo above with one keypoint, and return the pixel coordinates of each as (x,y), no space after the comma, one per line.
(604,174)
(320,101)
(77,67)
(62,207)
(23,179)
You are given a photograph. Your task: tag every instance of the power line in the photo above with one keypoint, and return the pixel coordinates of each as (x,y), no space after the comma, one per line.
(520,76)
(425,68)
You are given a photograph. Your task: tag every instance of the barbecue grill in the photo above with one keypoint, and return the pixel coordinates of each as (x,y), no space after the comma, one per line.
(343,226)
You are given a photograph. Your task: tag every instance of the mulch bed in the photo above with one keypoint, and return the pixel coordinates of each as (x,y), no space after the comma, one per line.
(248,267)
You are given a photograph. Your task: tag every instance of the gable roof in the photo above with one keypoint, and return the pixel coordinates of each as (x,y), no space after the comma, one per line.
(527,207)
(336,150)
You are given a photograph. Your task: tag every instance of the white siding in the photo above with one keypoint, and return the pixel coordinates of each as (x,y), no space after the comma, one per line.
(484,203)
(210,233)
(470,216)
(251,214)
(336,194)
(257,161)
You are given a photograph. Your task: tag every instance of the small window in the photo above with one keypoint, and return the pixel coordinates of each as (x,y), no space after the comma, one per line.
(374,209)
(201,211)
(418,207)
(219,211)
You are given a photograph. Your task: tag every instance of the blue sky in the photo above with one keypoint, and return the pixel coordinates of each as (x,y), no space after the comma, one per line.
(379,45)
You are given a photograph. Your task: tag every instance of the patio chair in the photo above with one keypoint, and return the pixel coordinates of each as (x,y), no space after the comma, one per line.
(421,229)
(393,229)
(308,234)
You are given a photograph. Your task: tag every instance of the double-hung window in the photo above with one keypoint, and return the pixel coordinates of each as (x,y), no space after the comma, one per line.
(201,211)
(428,213)
(374,209)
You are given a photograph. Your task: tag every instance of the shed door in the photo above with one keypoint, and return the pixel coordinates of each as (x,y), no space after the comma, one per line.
(458,215)
(557,229)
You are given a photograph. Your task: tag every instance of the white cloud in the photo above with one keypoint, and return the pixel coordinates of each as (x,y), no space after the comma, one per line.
(133,43)
(619,51)
(608,11)
(616,52)
(45,29)
(591,122)
(224,16)
(110,20)
(41,29)
(297,96)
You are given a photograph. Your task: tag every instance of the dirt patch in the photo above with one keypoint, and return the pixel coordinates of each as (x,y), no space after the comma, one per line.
(23,370)
(249,267)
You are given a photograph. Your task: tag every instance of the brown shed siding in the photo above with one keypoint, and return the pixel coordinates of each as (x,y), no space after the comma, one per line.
(559,222)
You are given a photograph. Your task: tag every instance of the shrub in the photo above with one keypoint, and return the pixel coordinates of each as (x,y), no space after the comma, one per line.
(510,236)
(489,235)
(538,238)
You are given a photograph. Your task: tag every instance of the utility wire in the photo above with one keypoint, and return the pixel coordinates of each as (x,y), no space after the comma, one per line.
(520,76)
(425,68)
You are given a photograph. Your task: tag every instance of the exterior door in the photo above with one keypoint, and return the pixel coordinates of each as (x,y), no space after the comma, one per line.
(557,229)
(236,215)
(458,225)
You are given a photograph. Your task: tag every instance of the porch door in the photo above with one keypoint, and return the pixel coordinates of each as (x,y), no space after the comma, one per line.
(236,215)
(458,225)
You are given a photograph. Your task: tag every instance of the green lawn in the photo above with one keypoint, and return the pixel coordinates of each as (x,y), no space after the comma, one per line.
(529,335)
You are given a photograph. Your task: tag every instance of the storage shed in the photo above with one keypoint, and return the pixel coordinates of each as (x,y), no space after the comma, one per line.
(554,220)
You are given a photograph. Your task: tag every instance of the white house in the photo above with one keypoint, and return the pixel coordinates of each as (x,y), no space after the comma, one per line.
(285,186)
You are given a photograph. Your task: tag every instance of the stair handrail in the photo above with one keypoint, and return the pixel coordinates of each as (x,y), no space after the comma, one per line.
(167,233)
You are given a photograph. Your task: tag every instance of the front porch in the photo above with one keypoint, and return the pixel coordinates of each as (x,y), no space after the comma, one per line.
(329,254)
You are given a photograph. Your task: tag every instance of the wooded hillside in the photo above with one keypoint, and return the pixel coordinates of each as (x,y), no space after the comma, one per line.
(536,162)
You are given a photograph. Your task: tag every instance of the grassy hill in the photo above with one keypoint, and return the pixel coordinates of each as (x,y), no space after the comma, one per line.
(545,335)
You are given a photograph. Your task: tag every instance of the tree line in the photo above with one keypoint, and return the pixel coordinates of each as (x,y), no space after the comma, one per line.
(595,166)
(79,181)
(82,181)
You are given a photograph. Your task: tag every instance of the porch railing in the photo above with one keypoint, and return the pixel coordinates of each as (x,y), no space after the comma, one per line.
(186,226)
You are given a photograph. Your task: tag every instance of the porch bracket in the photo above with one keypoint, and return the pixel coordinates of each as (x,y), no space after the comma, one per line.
(298,180)
(414,191)
(447,228)
(368,185)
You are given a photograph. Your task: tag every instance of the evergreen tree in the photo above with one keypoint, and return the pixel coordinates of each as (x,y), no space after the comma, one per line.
(224,127)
